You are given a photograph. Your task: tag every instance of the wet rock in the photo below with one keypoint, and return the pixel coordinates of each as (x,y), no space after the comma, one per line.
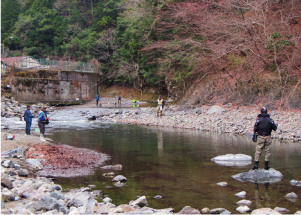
(119,184)
(244,202)
(298,213)
(243,209)
(222,184)
(45,188)
(120,178)
(281,210)
(233,160)
(141,202)
(189,210)
(217,210)
(291,195)
(259,176)
(241,194)
(226,212)
(109,174)
(205,210)
(85,189)
(295,183)
(5,182)
(107,199)
(112,167)
(126,208)
(158,197)
(265,211)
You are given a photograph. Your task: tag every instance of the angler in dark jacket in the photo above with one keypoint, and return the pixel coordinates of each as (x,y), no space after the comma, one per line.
(28,119)
(263,127)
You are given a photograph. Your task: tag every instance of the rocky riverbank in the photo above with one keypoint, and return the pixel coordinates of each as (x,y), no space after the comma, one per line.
(223,119)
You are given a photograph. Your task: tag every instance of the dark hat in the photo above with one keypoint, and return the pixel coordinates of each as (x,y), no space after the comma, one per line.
(264,110)
(28,106)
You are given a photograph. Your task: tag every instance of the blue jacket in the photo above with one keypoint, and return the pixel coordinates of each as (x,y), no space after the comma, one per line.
(97,98)
(42,116)
(27,116)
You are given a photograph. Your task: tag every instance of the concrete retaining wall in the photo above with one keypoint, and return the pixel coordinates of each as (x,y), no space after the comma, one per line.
(70,85)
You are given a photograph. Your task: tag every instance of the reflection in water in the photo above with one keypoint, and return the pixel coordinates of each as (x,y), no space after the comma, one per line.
(266,194)
(160,142)
(182,172)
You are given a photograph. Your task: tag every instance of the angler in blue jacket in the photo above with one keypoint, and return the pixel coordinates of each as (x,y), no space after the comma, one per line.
(28,119)
(43,120)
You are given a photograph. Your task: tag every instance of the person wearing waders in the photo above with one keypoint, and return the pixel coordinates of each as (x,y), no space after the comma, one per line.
(160,106)
(28,119)
(97,99)
(119,99)
(43,120)
(263,127)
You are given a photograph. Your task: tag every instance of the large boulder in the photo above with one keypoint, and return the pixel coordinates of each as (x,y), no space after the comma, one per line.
(141,202)
(119,178)
(233,160)
(260,176)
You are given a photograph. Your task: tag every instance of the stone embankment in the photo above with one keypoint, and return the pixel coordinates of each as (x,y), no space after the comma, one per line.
(223,119)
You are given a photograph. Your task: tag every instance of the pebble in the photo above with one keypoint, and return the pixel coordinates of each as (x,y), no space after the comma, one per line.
(241,194)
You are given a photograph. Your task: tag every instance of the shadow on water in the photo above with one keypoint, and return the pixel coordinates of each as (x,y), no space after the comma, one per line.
(176,164)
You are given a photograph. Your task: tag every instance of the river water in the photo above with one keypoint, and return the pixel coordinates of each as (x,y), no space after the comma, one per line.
(176,164)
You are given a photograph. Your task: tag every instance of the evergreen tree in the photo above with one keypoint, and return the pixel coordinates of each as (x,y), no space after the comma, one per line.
(10,10)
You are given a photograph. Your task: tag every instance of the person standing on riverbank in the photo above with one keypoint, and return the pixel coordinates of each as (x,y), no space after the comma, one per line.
(160,106)
(263,127)
(43,120)
(97,99)
(119,100)
(28,119)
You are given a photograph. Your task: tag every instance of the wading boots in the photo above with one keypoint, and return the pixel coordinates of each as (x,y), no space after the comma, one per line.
(266,165)
(255,165)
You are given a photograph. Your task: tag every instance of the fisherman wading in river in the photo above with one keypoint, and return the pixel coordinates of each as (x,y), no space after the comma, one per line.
(263,127)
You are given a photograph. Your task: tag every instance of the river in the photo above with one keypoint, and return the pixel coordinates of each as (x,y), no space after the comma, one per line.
(176,164)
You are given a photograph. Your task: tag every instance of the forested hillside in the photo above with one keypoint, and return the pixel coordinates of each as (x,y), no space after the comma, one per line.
(199,51)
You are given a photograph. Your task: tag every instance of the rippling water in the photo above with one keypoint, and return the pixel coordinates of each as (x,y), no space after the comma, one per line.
(176,164)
